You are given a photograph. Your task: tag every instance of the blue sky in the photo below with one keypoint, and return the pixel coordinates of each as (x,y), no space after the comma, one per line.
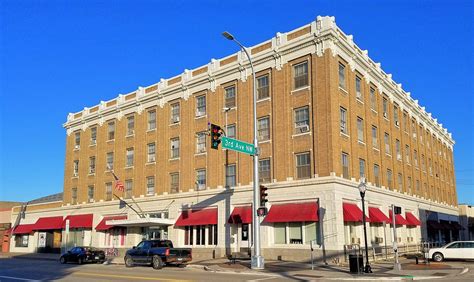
(57,57)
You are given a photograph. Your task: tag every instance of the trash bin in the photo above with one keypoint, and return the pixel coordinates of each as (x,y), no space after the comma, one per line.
(354,265)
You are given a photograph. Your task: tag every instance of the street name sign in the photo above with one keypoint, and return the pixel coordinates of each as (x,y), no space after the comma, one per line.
(237,145)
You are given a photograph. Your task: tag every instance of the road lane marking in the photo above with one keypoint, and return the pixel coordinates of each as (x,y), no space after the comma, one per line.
(18,278)
(125,276)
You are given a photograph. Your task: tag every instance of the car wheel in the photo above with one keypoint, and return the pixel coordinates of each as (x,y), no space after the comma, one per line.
(128,261)
(80,261)
(157,262)
(62,260)
(438,257)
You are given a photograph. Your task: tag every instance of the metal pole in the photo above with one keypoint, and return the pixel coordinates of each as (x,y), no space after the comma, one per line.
(396,265)
(257,259)
(367,268)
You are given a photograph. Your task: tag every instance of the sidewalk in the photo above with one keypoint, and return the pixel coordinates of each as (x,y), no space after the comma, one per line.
(382,270)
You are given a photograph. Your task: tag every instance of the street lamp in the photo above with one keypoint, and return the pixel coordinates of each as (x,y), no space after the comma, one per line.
(362,189)
(257,259)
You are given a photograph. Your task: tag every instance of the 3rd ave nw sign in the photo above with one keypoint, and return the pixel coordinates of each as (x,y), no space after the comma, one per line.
(237,145)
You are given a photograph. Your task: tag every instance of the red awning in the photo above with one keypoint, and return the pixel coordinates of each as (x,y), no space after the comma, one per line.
(377,216)
(352,213)
(241,215)
(102,226)
(297,212)
(399,220)
(79,221)
(49,223)
(197,217)
(23,229)
(411,219)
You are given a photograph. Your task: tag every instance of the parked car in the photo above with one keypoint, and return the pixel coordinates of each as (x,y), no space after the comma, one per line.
(157,253)
(453,250)
(82,255)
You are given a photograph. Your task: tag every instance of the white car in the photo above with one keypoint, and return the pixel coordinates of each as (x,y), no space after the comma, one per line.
(453,250)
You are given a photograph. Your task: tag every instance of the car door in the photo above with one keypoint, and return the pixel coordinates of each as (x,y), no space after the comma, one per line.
(74,254)
(452,251)
(137,253)
(469,250)
(145,252)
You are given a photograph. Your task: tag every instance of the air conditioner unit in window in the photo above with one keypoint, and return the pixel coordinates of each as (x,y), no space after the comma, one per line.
(302,128)
(91,171)
(378,240)
(385,115)
(151,159)
(131,132)
(77,147)
(93,142)
(343,128)
(199,114)
(75,174)
(175,119)
(397,123)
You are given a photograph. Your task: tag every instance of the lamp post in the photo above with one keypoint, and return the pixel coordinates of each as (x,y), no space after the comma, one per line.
(257,259)
(362,188)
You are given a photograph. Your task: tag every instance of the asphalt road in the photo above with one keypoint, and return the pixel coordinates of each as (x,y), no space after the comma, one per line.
(41,270)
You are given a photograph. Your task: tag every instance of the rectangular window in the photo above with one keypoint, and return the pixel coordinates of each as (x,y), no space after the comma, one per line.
(263,129)
(151,152)
(303,166)
(423,165)
(174,182)
(387,143)
(295,232)
(175,113)
(91,165)
(77,140)
(400,182)
(397,150)
(413,128)
(230,175)
(342,76)
(430,166)
(376,175)
(21,240)
(200,179)
(90,194)
(345,165)
(407,154)
(415,158)
(74,196)
(152,120)
(263,87)
(93,135)
(385,107)
(128,188)
(302,120)
(201,142)
(129,157)
(201,105)
(230,97)
(343,121)
(76,168)
(231,131)
(130,125)
(108,191)
(110,161)
(174,148)
(373,99)
(395,115)
(360,129)
(358,90)
(150,185)
(111,130)
(264,171)
(361,168)
(417,187)
(300,75)
(280,232)
(409,185)
(389,178)
(374,137)
(405,124)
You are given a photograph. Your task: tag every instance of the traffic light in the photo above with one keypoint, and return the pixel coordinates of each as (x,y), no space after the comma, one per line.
(263,195)
(215,136)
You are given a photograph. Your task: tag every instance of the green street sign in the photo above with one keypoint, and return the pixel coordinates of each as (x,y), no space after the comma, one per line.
(237,145)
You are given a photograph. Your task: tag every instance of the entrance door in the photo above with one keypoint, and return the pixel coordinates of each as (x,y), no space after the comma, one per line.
(244,237)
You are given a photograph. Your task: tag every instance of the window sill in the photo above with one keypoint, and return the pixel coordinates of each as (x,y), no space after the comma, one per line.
(200,117)
(75,177)
(376,149)
(129,167)
(400,160)
(361,142)
(77,149)
(301,134)
(91,174)
(93,145)
(151,130)
(388,155)
(150,163)
(130,135)
(175,123)
(263,99)
(174,159)
(200,154)
(300,89)
(374,111)
(264,141)
(111,141)
(386,119)
(343,90)
(344,135)
(359,101)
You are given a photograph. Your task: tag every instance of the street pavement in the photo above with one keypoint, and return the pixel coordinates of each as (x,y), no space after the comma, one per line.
(47,268)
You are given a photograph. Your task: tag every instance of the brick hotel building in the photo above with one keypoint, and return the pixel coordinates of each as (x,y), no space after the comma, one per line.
(327,116)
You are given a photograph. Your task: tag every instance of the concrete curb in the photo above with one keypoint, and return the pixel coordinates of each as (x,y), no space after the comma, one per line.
(31,258)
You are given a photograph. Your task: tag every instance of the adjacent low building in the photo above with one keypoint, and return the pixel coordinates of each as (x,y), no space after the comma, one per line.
(327,116)
(466,218)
